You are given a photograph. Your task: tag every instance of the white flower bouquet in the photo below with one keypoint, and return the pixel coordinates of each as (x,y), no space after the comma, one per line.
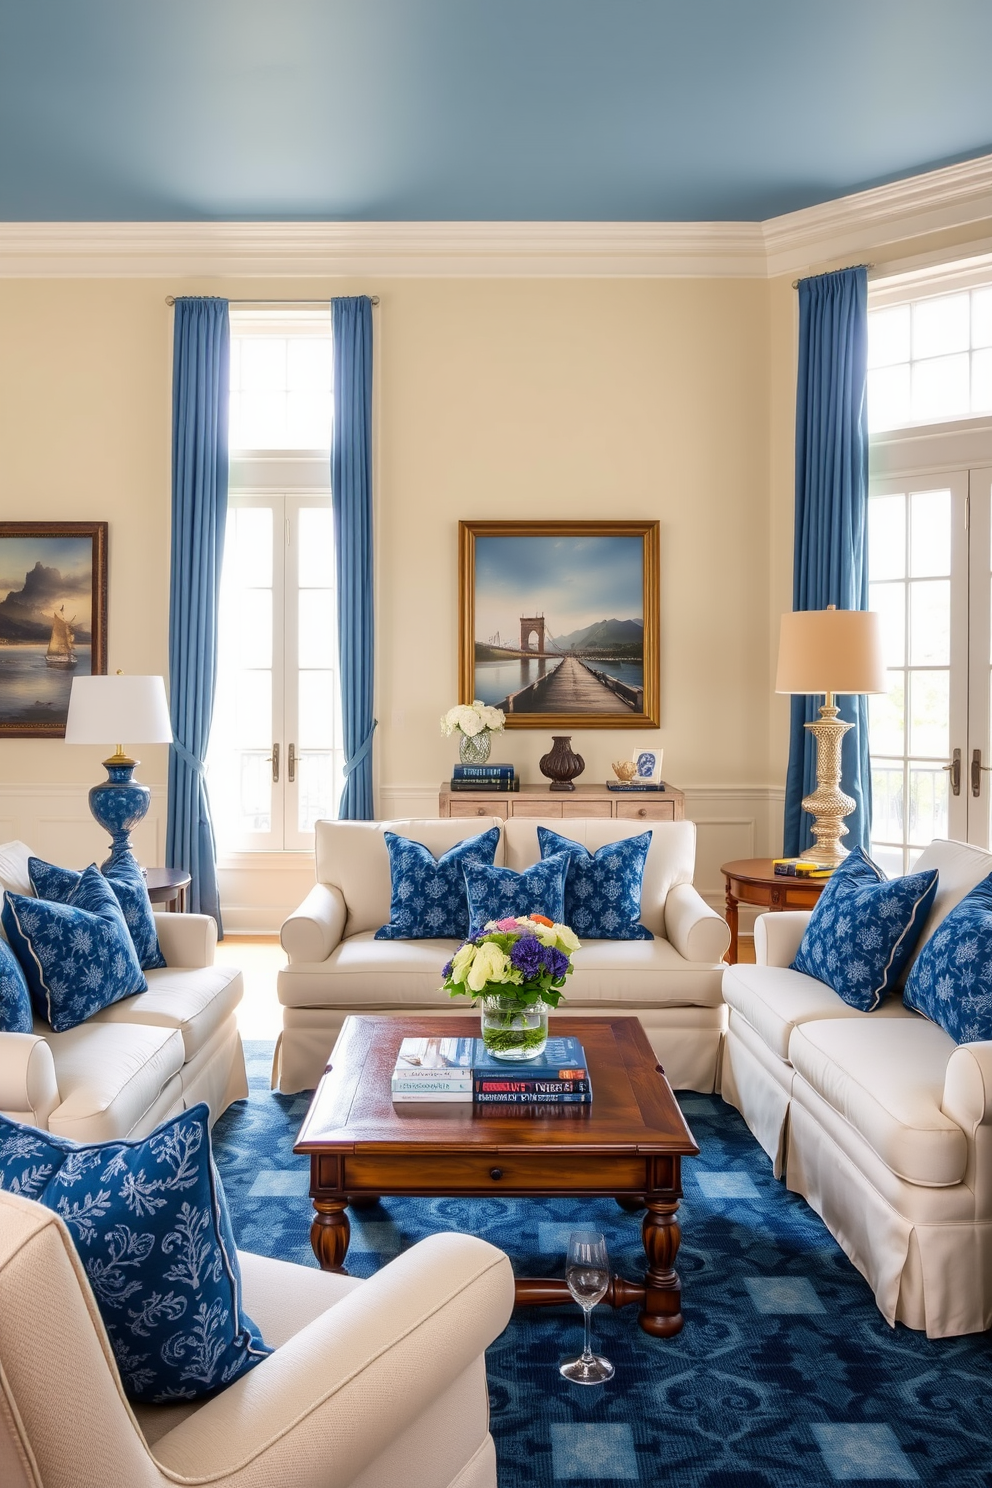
(471,718)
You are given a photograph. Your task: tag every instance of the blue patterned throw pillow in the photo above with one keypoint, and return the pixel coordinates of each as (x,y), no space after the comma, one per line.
(498,893)
(128,883)
(864,930)
(151,1226)
(602,891)
(15,1000)
(951,979)
(429,901)
(78,957)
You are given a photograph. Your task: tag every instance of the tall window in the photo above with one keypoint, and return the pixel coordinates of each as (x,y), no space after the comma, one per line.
(276,756)
(930,359)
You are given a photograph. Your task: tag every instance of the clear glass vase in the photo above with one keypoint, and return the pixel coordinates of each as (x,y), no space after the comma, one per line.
(473,749)
(511,1030)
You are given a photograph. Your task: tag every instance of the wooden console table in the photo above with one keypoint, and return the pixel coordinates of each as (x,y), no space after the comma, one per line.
(584,800)
(754,881)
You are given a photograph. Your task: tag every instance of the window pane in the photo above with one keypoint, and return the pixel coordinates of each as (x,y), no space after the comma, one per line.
(930,623)
(886,802)
(888,397)
(930,533)
(317,697)
(308,421)
(249,543)
(888,336)
(927,804)
(308,364)
(885,718)
(263,363)
(887,537)
(321,776)
(889,859)
(316,547)
(318,637)
(981,382)
(889,600)
(262,421)
(941,325)
(253,710)
(941,388)
(928,714)
(981,317)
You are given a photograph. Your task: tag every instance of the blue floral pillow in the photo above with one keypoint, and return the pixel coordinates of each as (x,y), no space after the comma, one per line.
(864,930)
(429,901)
(951,979)
(78,957)
(15,999)
(602,892)
(498,893)
(128,883)
(151,1226)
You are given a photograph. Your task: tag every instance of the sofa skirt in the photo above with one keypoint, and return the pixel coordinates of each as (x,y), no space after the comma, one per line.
(759,1085)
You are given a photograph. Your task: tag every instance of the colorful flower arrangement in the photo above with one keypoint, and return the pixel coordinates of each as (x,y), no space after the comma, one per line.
(526,958)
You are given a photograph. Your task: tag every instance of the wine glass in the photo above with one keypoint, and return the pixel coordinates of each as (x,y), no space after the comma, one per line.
(587,1272)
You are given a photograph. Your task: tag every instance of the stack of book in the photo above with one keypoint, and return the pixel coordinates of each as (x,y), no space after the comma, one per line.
(440,1069)
(484,778)
(799,868)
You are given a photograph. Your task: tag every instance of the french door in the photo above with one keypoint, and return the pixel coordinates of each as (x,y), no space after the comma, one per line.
(276,756)
(930,573)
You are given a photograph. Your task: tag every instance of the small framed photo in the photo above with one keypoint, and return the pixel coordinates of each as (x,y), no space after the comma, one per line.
(648,763)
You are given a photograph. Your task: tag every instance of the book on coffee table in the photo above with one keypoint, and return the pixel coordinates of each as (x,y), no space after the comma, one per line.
(464,1070)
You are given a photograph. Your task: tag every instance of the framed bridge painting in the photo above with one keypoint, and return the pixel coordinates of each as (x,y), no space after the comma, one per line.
(560,622)
(53,621)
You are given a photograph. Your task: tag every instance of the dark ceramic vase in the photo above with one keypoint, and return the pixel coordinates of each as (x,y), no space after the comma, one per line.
(562,765)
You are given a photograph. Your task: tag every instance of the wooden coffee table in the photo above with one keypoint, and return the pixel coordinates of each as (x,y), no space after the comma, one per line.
(628,1144)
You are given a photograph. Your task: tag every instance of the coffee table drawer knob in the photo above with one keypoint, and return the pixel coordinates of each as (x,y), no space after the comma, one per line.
(495,1172)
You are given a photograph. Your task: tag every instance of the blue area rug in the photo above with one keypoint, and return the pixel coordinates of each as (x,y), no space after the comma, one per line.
(785,1375)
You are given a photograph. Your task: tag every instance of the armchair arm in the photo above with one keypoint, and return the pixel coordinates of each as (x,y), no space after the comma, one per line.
(777,936)
(331,1399)
(29,1091)
(313,930)
(968,1101)
(187,939)
(697,932)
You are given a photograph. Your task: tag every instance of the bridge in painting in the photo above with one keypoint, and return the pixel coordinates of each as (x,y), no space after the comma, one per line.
(573,686)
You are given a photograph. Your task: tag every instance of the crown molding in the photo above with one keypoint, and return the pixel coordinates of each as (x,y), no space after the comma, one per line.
(952,197)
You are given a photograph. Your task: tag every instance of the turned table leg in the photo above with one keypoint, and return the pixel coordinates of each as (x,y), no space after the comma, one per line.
(732,922)
(661,1314)
(330,1233)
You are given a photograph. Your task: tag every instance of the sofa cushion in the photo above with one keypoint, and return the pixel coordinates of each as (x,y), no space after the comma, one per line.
(109,1075)
(951,978)
(130,890)
(887,1081)
(14,874)
(774,1000)
(864,929)
(196,1000)
(960,866)
(429,899)
(16,1015)
(77,956)
(602,889)
(151,1226)
(500,893)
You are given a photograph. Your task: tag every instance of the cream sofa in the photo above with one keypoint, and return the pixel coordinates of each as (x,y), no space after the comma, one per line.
(336,966)
(372,1383)
(140,1060)
(879,1120)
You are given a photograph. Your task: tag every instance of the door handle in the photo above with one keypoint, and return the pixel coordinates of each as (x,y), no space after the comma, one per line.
(291,770)
(976,772)
(954,769)
(274,757)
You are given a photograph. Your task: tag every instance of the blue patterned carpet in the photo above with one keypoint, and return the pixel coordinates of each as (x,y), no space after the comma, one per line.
(785,1375)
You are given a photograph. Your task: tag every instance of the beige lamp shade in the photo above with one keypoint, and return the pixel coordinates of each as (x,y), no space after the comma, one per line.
(823,651)
(113,710)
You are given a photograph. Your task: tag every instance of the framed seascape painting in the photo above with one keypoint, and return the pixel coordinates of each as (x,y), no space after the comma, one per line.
(53,620)
(559,622)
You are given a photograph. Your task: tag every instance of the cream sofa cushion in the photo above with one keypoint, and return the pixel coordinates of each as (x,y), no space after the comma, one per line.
(110,1075)
(886,1079)
(775,1000)
(14,868)
(196,1000)
(960,866)
(353,856)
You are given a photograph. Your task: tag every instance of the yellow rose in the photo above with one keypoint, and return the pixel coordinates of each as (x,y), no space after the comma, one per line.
(566,939)
(490,965)
(461,961)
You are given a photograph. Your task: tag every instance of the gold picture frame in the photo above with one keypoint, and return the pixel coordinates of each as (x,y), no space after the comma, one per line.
(530,594)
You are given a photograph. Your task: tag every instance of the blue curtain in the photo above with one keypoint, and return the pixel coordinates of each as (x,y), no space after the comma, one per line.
(351,494)
(831,541)
(200,381)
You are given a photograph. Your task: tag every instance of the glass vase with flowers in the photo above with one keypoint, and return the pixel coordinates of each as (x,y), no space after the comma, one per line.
(516,968)
(475,723)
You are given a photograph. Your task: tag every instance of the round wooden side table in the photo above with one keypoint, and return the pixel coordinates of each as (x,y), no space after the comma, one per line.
(754,881)
(167,886)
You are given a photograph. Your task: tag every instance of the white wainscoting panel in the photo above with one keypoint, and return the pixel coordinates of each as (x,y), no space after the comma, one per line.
(258,890)
(55,822)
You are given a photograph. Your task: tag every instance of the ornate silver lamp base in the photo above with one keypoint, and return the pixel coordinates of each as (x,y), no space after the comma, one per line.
(828,805)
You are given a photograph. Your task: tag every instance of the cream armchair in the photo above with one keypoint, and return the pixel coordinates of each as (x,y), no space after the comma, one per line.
(372,1383)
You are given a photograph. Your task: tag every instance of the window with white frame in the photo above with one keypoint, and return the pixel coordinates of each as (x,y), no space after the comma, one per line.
(276,757)
(930,359)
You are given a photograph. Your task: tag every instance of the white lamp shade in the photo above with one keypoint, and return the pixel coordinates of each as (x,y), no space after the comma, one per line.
(118,710)
(831,651)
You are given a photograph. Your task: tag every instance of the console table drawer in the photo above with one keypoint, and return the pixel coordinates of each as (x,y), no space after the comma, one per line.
(646,810)
(470,1173)
(488,807)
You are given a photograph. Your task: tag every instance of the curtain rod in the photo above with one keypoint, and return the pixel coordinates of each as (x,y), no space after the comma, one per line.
(171,300)
(796,282)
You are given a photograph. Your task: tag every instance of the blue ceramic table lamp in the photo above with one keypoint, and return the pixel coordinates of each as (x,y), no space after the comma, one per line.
(103,710)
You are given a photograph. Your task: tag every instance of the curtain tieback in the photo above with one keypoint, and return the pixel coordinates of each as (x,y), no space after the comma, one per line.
(361,752)
(189,760)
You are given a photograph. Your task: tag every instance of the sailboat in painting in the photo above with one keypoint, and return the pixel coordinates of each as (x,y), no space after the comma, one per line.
(60,651)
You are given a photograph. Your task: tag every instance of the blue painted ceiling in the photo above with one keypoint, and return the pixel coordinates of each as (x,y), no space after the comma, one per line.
(631,110)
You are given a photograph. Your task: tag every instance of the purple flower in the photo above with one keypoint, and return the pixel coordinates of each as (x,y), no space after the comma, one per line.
(446,971)
(555,961)
(526,955)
